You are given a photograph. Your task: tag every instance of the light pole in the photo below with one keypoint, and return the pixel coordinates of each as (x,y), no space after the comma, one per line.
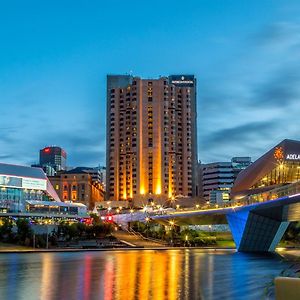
(47,238)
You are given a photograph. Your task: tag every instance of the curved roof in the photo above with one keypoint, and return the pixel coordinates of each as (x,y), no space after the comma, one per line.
(262,166)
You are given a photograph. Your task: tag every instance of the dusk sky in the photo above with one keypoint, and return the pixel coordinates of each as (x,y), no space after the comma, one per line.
(54,57)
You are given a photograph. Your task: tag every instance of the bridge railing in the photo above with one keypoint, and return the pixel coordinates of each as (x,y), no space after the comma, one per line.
(286,190)
(283,191)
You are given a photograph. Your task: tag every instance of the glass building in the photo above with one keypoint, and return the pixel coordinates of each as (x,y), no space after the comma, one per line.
(271,175)
(27,189)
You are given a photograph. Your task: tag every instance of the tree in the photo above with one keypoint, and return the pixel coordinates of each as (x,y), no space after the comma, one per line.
(6,229)
(24,233)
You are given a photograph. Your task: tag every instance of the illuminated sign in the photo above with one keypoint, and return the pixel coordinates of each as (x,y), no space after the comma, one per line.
(23,182)
(34,184)
(183,80)
(187,80)
(293,156)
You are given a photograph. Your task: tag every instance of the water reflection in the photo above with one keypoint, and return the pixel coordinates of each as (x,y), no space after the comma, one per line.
(172,274)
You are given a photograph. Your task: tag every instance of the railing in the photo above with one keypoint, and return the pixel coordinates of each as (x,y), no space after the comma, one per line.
(283,191)
(130,230)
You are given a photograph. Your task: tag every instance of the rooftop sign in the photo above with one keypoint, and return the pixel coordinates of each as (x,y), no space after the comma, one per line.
(293,156)
(182,80)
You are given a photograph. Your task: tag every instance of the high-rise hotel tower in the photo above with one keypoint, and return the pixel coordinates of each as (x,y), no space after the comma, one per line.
(151,137)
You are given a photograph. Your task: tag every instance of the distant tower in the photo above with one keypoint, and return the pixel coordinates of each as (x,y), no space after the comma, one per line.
(151,137)
(53,157)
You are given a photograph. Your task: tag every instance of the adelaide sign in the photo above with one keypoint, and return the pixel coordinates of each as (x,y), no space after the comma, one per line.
(293,156)
(280,156)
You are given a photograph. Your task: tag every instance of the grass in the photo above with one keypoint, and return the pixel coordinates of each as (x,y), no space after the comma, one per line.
(224,243)
(7,246)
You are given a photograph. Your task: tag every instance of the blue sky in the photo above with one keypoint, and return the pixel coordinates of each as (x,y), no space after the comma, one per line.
(54,57)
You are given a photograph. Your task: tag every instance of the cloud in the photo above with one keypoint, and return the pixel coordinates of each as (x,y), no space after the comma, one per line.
(84,145)
(282,89)
(256,102)
(244,140)
(279,36)
(256,130)
(6,156)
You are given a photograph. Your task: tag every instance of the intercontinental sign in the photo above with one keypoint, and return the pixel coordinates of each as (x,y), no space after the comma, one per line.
(182,80)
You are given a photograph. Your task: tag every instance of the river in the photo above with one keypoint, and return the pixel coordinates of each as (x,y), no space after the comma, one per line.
(138,274)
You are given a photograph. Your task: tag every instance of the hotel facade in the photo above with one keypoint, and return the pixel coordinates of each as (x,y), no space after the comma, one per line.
(151,138)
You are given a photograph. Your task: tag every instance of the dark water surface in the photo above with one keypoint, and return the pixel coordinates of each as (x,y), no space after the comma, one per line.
(137,274)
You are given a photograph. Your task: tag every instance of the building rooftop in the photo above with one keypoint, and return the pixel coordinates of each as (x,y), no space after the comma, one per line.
(22,171)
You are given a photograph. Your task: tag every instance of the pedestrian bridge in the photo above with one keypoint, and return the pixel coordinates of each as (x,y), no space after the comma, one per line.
(256,227)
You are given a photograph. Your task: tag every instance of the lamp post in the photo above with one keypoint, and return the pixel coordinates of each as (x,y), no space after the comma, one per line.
(47,238)
(172,223)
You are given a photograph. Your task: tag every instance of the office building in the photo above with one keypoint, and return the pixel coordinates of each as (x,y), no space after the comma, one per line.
(98,174)
(151,137)
(219,177)
(52,159)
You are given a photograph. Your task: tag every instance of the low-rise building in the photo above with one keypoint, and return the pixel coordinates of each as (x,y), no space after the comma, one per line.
(79,185)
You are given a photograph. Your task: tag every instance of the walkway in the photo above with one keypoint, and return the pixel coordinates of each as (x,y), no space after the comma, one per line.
(135,240)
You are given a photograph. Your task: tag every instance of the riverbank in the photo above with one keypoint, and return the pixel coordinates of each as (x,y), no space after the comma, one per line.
(116,249)
(288,253)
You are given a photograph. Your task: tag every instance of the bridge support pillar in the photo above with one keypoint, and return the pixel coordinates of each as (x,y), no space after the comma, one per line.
(255,233)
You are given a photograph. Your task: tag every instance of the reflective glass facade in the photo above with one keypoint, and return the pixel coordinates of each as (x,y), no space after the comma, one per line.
(283,173)
(13,200)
